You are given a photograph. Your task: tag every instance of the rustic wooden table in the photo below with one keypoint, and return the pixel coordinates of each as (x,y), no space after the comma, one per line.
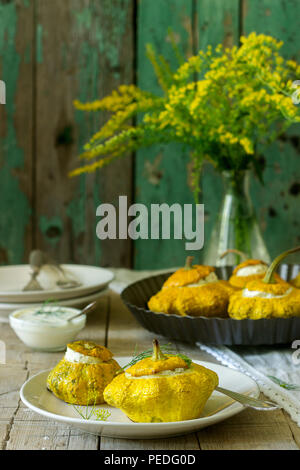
(114,326)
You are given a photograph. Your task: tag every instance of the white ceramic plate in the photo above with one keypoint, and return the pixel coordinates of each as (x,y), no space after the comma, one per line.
(219,407)
(14,278)
(6,309)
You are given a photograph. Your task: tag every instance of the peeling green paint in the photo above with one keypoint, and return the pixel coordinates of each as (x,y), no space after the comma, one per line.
(76,208)
(52,228)
(96,40)
(171,187)
(107,40)
(87,90)
(14,206)
(83,19)
(39,44)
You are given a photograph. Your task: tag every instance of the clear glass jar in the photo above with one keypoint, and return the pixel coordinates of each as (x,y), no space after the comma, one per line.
(236,226)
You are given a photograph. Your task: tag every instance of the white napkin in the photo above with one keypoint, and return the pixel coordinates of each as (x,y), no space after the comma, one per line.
(276,370)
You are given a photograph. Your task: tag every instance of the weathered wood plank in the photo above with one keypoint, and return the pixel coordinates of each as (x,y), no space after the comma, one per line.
(295,430)
(161,172)
(277,202)
(84,50)
(188,442)
(249,430)
(16,130)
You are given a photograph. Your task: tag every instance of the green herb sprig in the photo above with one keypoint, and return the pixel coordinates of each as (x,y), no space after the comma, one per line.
(165,349)
(99,414)
(42,309)
(283,384)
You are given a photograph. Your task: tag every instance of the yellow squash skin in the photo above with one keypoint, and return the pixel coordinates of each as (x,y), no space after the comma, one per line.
(164,301)
(182,277)
(208,300)
(149,367)
(256,307)
(163,398)
(296,281)
(81,383)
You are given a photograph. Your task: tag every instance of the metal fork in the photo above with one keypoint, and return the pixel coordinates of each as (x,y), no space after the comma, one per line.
(66,282)
(37,260)
(250,402)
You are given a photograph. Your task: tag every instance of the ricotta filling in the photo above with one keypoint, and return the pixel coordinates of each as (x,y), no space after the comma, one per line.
(78,358)
(163,373)
(252,270)
(212,277)
(264,295)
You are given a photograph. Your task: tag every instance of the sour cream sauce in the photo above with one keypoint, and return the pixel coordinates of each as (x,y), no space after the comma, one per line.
(56,316)
(47,328)
(252,270)
(164,373)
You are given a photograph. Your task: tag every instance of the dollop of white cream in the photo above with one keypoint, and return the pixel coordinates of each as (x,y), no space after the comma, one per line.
(78,358)
(252,270)
(264,295)
(164,373)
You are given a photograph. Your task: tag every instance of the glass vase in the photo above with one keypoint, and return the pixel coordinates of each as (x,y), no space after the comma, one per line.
(236,227)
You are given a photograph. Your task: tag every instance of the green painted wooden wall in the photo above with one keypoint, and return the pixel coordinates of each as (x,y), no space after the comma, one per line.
(53,51)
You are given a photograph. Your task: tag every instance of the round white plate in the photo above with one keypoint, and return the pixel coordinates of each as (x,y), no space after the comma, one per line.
(14,278)
(6,309)
(219,407)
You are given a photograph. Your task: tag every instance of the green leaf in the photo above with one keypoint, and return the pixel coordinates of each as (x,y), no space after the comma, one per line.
(283,384)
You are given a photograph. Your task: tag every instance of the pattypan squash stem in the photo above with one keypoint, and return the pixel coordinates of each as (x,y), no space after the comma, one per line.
(188,263)
(157,354)
(269,278)
(243,255)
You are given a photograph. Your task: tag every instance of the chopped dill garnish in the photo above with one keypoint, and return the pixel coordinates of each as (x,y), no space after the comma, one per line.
(42,310)
(165,348)
(99,414)
(185,358)
(89,410)
(283,384)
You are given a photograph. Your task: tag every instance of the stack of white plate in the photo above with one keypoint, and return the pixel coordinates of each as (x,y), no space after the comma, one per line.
(93,281)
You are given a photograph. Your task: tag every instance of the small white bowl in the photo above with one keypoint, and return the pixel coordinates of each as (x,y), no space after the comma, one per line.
(43,336)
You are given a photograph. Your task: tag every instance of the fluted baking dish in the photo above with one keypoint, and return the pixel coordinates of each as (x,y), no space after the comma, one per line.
(216,330)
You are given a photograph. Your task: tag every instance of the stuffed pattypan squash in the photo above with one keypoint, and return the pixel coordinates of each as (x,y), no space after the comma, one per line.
(82,375)
(208,300)
(267,297)
(193,290)
(191,275)
(161,388)
(248,270)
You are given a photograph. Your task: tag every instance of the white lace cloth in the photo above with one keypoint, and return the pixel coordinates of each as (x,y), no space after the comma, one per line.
(257,362)
(260,363)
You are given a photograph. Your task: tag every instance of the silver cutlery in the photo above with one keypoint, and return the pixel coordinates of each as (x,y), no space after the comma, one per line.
(37,260)
(250,402)
(88,309)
